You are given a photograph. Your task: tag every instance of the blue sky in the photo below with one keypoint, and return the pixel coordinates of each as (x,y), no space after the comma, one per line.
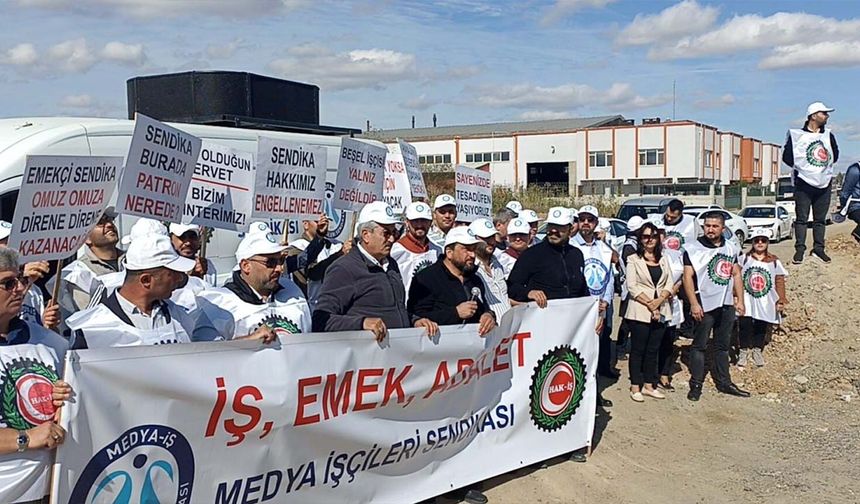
(745,66)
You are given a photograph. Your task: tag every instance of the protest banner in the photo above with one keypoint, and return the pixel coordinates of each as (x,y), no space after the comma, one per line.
(61,199)
(290,180)
(413,169)
(221,189)
(340,221)
(396,190)
(332,417)
(158,171)
(360,171)
(474,194)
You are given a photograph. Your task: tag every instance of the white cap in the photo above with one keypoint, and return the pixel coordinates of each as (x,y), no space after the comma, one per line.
(379,212)
(462,235)
(518,226)
(154,252)
(258,244)
(590,210)
(573,212)
(817,107)
(5,229)
(482,228)
(559,216)
(530,216)
(603,224)
(658,222)
(756,232)
(259,227)
(181,229)
(634,223)
(514,206)
(144,227)
(418,210)
(443,200)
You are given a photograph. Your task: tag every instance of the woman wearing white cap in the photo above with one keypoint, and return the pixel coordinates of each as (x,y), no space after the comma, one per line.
(414,251)
(764,297)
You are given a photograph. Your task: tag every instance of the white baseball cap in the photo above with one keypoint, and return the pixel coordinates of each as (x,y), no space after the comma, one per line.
(156,251)
(418,210)
(559,216)
(756,232)
(817,107)
(603,224)
(530,216)
(590,210)
(258,244)
(259,227)
(635,223)
(462,235)
(482,228)
(5,229)
(144,227)
(514,206)
(379,212)
(443,200)
(180,229)
(658,222)
(518,226)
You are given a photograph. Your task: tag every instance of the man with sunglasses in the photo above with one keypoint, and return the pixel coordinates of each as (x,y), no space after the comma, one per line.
(811,152)
(363,290)
(444,218)
(186,239)
(259,295)
(35,355)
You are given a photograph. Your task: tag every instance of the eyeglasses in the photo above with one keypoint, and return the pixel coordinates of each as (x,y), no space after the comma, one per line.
(387,233)
(587,219)
(270,262)
(518,237)
(649,237)
(9,284)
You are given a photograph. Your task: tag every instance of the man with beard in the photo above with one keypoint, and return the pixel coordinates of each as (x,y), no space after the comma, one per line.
(680,227)
(186,239)
(518,241)
(258,295)
(363,290)
(711,279)
(444,217)
(489,268)
(414,252)
(812,152)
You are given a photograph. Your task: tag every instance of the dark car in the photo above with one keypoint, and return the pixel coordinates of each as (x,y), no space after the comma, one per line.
(643,207)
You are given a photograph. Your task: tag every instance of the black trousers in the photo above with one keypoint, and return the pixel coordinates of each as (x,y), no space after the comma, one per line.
(807,197)
(752,332)
(720,321)
(604,355)
(666,357)
(855,216)
(623,330)
(645,339)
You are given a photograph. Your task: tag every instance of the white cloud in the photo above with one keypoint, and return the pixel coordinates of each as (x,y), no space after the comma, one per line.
(543,115)
(360,68)
(159,9)
(418,103)
(680,20)
(127,54)
(73,56)
(619,96)
(820,54)
(564,8)
(77,101)
(717,102)
(20,55)
(224,51)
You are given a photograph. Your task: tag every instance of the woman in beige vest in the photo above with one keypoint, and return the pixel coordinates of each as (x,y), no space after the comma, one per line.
(648,311)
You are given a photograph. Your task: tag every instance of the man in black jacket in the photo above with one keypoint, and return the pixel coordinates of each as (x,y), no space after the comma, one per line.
(449,292)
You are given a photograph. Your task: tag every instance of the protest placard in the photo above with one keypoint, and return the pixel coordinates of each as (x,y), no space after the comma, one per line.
(474,194)
(221,189)
(340,221)
(158,171)
(61,199)
(396,191)
(360,172)
(413,170)
(290,180)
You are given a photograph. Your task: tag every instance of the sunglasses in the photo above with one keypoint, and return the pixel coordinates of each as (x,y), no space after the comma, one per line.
(587,219)
(9,284)
(270,262)
(649,237)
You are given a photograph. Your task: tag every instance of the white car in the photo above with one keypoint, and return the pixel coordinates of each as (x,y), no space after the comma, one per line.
(734,222)
(774,219)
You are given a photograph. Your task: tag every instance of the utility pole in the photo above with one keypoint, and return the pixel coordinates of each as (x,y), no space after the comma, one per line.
(673,99)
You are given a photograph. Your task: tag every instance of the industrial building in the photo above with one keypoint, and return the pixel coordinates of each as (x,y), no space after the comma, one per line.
(607,155)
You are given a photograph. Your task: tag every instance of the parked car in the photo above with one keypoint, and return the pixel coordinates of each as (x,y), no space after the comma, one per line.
(702,208)
(774,219)
(734,222)
(643,207)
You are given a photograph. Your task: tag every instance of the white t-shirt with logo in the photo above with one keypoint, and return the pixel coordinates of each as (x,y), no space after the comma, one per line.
(685,231)
(714,269)
(760,294)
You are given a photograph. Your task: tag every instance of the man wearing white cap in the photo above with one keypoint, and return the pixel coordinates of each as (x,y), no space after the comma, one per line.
(514,206)
(140,312)
(186,241)
(320,252)
(444,217)
(574,219)
(259,295)
(490,269)
(518,241)
(599,258)
(414,251)
(812,152)
(363,290)
(531,217)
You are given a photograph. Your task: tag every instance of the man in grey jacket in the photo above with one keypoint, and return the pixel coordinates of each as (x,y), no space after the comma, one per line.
(363,290)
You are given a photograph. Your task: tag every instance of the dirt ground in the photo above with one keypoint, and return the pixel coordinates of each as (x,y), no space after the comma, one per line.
(797,439)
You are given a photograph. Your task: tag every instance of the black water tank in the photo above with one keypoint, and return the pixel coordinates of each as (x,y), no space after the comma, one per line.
(212,97)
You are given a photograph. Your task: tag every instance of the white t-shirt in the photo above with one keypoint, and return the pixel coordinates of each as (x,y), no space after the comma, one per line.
(760,294)
(714,269)
(410,263)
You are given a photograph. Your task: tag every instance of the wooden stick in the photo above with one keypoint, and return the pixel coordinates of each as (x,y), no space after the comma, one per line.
(56,291)
(204,232)
(286,232)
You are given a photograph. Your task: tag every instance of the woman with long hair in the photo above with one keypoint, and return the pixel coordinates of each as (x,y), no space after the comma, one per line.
(649,283)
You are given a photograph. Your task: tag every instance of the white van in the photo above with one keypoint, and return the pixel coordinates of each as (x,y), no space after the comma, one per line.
(78,136)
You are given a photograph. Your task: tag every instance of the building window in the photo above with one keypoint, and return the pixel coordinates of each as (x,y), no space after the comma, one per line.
(434,159)
(487,157)
(651,157)
(736,162)
(709,158)
(600,158)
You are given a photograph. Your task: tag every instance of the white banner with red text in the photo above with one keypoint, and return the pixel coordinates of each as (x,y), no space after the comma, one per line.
(333,417)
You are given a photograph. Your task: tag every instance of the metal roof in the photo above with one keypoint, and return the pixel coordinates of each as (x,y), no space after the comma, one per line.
(491,129)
